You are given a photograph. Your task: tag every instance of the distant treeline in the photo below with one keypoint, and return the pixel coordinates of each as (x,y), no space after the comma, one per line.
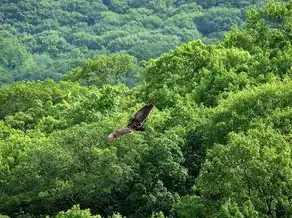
(44,39)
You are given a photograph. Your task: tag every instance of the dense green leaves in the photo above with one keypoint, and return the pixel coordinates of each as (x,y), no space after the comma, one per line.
(52,37)
(247,170)
(76,212)
(255,167)
(104,70)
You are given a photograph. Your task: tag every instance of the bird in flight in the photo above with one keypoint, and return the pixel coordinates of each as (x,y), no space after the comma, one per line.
(136,123)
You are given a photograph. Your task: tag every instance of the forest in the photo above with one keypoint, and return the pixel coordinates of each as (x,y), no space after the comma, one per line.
(218,142)
(42,39)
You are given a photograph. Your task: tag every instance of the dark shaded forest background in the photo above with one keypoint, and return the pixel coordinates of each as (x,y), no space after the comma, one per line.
(41,39)
(217,144)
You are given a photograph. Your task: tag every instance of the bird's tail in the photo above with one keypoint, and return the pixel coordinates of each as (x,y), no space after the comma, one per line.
(151,101)
(118,133)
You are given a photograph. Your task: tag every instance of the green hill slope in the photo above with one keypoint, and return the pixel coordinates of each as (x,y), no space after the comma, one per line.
(40,39)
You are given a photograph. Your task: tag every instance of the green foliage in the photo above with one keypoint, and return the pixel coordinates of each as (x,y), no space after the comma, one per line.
(255,55)
(76,212)
(66,152)
(218,20)
(50,38)
(242,110)
(158,215)
(231,209)
(234,3)
(191,206)
(104,70)
(33,97)
(14,57)
(255,166)
(248,173)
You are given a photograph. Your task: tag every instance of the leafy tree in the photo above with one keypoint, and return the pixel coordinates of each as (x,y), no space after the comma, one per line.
(103,70)
(14,56)
(217,20)
(75,211)
(237,4)
(257,170)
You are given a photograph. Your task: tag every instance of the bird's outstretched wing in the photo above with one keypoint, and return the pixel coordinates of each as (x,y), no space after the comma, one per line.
(142,114)
(136,123)
(113,136)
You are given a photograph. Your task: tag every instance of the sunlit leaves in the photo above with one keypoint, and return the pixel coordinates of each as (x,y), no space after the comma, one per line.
(103,70)
(248,173)
(255,166)
(76,212)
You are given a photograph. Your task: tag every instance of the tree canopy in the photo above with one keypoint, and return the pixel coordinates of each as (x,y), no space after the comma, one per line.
(217,143)
(52,37)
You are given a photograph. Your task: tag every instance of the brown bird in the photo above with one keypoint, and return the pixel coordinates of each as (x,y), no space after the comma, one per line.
(136,122)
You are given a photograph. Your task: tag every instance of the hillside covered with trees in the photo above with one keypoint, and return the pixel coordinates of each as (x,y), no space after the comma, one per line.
(45,39)
(217,144)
